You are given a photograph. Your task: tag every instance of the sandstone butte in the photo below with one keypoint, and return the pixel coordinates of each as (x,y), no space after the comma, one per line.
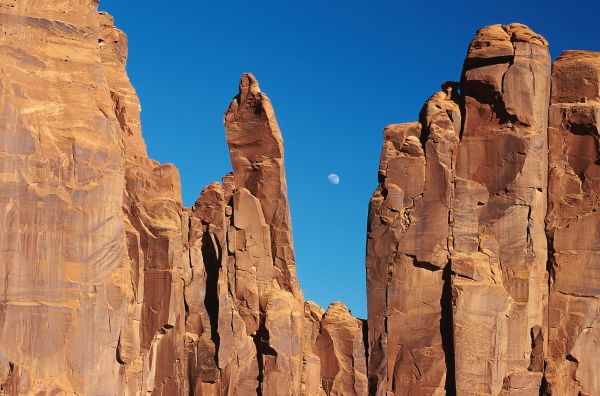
(483,246)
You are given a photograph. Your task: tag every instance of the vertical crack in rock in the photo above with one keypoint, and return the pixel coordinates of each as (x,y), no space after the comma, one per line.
(206,242)
(447,331)
(211,261)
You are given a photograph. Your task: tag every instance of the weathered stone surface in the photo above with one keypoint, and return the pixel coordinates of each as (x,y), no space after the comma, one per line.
(334,352)
(91,240)
(572,226)
(407,245)
(150,341)
(493,318)
(499,209)
(112,287)
(245,332)
(341,352)
(266,292)
(311,365)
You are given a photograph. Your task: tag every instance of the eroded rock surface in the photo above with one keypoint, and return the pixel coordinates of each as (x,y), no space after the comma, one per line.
(110,285)
(252,313)
(487,315)
(91,240)
(407,247)
(498,221)
(572,226)
(335,358)
(482,254)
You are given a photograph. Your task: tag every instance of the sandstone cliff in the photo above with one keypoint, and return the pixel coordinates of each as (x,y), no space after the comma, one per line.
(91,227)
(110,285)
(483,274)
(572,226)
(482,264)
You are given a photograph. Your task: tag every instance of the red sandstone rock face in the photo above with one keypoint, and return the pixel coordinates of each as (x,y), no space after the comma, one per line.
(252,318)
(264,284)
(498,220)
(245,330)
(93,295)
(341,352)
(490,317)
(111,286)
(572,226)
(407,245)
(73,315)
(334,352)
(311,372)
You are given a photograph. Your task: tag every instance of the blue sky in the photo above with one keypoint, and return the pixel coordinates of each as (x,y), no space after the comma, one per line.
(337,72)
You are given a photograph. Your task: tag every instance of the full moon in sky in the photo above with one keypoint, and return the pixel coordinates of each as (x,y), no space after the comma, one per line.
(334,179)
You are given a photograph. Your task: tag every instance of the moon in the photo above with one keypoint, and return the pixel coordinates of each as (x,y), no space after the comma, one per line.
(334,179)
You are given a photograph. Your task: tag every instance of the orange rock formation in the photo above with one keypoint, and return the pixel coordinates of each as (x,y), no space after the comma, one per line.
(483,259)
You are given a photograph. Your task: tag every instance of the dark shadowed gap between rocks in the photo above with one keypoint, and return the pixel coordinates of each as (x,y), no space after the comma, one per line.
(447,330)
(261,340)
(211,299)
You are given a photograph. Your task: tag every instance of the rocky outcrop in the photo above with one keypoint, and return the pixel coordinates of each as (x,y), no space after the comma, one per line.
(110,285)
(572,226)
(91,240)
(266,285)
(248,329)
(341,350)
(248,307)
(461,228)
(499,288)
(335,358)
(482,255)
(408,244)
